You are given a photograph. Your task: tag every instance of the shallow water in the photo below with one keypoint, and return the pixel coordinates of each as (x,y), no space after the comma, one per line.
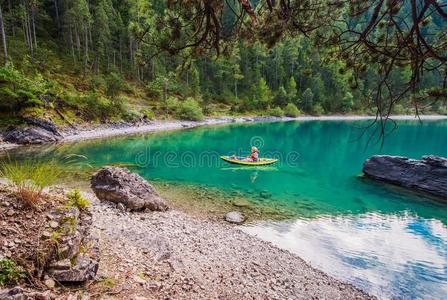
(387,241)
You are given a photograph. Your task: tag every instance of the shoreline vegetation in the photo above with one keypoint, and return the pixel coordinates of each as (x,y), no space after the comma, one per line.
(89,132)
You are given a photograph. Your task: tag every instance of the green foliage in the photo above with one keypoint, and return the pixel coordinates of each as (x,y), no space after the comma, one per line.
(147,113)
(281,97)
(10,272)
(172,104)
(277,112)
(131,115)
(399,109)
(318,110)
(348,102)
(75,199)
(190,110)
(308,97)
(291,110)
(114,84)
(261,94)
(30,177)
(97,82)
(18,91)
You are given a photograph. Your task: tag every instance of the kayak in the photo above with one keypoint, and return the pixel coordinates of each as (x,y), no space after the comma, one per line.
(245,162)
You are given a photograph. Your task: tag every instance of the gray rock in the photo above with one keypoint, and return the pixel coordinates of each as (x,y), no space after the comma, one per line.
(48,125)
(50,283)
(119,185)
(84,269)
(121,207)
(235,217)
(17,293)
(427,175)
(31,135)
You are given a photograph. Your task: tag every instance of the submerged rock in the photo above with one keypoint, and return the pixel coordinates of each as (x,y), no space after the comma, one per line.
(427,175)
(31,135)
(119,185)
(240,202)
(235,217)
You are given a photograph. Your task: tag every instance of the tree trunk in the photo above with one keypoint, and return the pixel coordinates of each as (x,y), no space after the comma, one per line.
(13,27)
(71,45)
(78,42)
(5,46)
(56,9)
(235,88)
(86,50)
(33,15)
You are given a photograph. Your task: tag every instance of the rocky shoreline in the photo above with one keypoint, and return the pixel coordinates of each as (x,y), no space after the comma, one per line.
(87,131)
(146,251)
(428,175)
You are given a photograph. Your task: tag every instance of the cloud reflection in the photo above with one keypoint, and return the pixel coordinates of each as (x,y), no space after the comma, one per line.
(392,257)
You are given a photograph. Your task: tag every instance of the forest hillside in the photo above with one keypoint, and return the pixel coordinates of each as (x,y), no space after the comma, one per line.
(80,60)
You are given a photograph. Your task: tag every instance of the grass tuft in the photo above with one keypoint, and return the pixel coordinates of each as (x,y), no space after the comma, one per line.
(30,178)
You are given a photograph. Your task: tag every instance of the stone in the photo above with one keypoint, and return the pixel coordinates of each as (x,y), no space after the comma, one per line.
(139,280)
(17,293)
(265,194)
(119,185)
(235,217)
(31,135)
(50,283)
(428,174)
(64,264)
(83,270)
(44,124)
(240,202)
(54,224)
(121,207)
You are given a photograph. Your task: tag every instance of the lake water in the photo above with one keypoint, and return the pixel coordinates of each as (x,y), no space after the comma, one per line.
(389,242)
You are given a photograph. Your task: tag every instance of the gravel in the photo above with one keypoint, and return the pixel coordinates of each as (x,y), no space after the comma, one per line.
(171,255)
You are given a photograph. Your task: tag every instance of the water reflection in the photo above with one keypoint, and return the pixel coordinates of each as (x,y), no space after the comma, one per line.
(390,256)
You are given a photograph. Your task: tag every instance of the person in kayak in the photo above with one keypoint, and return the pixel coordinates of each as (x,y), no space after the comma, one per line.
(254,154)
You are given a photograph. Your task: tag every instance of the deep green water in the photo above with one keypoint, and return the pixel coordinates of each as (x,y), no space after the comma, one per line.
(387,241)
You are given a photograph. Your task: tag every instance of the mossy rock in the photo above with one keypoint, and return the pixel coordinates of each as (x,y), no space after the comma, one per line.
(240,202)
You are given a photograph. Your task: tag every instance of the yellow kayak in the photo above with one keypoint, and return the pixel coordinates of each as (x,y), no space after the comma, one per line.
(245,162)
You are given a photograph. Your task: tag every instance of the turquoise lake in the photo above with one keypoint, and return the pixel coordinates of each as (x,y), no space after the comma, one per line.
(387,241)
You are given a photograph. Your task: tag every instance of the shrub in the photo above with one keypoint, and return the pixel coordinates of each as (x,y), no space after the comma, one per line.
(291,110)
(18,91)
(147,113)
(172,104)
(97,82)
(318,110)
(30,178)
(398,109)
(75,199)
(277,112)
(190,110)
(10,273)
(131,115)
(97,107)
(114,85)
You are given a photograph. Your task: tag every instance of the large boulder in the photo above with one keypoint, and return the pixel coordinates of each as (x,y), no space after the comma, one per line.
(428,175)
(119,185)
(48,125)
(31,135)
